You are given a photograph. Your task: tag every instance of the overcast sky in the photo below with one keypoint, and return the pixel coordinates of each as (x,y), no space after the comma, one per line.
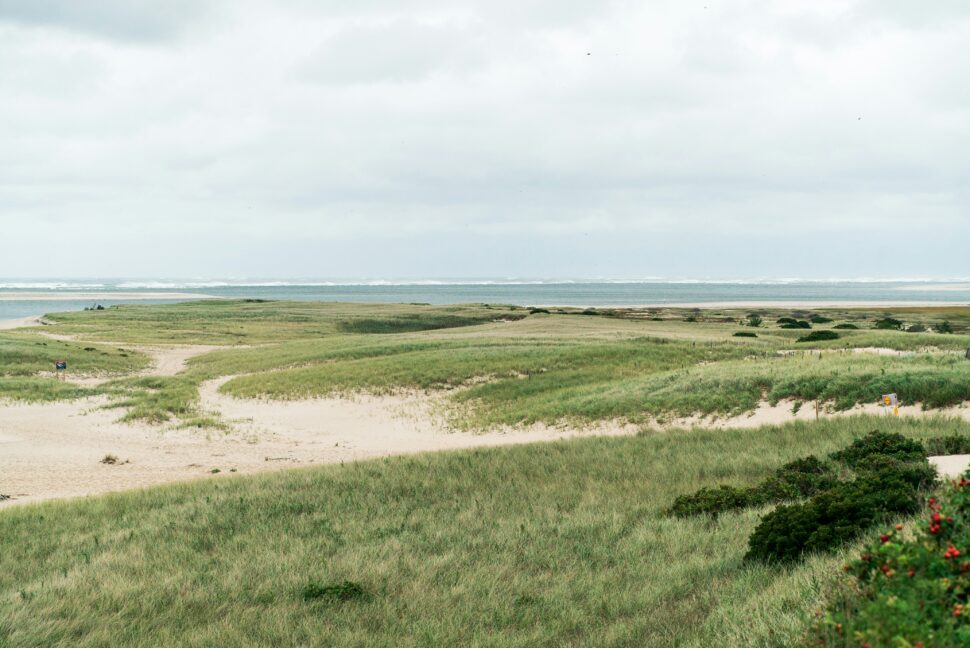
(520,138)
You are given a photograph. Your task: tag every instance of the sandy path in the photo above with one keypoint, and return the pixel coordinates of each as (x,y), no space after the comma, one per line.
(33,320)
(55,450)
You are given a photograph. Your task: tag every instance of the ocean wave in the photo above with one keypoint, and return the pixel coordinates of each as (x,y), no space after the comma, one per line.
(49,285)
(203,284)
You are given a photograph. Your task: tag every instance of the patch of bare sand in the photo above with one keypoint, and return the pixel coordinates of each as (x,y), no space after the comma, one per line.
(7,325)
(951,466)
(54,450)
(784,412)
(366,426)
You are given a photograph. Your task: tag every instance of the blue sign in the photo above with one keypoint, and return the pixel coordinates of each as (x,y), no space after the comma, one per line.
(60,365)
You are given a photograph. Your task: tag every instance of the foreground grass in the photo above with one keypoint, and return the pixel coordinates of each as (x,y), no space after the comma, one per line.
(543,545)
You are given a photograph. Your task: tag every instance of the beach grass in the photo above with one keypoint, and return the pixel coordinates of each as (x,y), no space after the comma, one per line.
(556,544)
(27,366)
(511,365)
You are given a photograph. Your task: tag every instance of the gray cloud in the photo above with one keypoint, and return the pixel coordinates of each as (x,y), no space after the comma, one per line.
(474,138)
(128,20)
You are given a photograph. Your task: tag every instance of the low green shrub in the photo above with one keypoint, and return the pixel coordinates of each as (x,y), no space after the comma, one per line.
(908,589)
(755,320)
(796,325)
(917,328)
(538,311)
(820,319)
(889,324)
(846,327)
(832,518)
(819,336)
(745,334)
(711,501)
(796,480)
(944,327)
(345,591)
(878,443)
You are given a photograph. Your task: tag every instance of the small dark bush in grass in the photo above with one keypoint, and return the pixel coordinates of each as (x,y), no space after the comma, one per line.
(846,327)
(538,311)
(786,320)
(944,327)
(880,443)
(590,311)
(746,334)
(917,328)
(819,336)
(345,591)
(691,318)
(755,320)
(953,444)
(820,319)
(798,324)
(889,324)
(832,518)
(413,323)
(711,501)
(796,480)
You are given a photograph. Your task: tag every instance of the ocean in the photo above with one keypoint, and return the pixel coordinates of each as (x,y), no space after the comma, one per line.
(521,292)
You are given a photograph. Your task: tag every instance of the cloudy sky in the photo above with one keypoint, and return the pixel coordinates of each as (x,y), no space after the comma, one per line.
(471,138)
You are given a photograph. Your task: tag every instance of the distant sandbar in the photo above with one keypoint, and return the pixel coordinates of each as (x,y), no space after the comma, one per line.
(95,296)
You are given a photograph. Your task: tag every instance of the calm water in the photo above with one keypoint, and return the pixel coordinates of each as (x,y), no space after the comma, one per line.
(523,293)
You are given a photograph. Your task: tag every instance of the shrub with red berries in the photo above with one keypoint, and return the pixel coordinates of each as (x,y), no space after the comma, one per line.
(910,588)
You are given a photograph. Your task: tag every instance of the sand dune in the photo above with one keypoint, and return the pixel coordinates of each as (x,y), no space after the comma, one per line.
(54,450)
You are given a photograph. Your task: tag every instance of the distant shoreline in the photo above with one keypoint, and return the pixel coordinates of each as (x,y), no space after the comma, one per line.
(94,296)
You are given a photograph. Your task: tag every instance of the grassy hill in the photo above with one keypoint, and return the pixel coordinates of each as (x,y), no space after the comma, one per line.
(551,544)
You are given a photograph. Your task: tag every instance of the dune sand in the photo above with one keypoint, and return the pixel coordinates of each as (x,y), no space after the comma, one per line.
(54,450)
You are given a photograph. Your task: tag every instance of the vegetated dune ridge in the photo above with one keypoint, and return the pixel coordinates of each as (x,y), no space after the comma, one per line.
(54,450)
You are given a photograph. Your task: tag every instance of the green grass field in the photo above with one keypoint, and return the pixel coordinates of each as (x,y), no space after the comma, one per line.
(552,544)
(514,366)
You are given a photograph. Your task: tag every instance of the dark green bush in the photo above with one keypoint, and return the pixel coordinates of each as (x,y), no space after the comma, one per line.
(831,518)
(944,327)
(345,591)
(820,319)
(796,480)
(889,324)
(797,325)
(819,336)
(746,334)
(711,501)
(538,311)
(786,320)
(846,327)
(880,443)
(917,328)
(755,320)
